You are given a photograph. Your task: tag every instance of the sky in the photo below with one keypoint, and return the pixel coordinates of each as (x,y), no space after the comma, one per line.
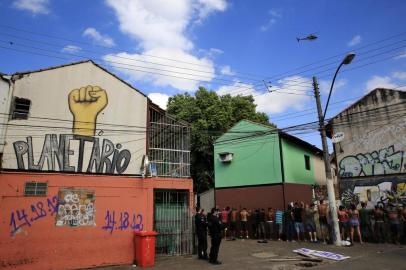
(235,47)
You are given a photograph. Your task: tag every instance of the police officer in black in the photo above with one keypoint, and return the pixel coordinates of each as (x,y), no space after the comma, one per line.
(201,233)
(215,231)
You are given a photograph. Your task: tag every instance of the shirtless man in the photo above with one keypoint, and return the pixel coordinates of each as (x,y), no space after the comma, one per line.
(244,223)
(379,224)
(323,220)
(233,223)
(224,219)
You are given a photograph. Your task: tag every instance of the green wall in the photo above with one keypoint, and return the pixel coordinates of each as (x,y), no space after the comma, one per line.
(256,160)
(294,164)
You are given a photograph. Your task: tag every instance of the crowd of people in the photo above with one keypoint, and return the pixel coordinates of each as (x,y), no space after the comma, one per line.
(300,222)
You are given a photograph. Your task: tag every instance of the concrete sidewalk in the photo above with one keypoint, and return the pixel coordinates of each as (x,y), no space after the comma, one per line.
(248,254)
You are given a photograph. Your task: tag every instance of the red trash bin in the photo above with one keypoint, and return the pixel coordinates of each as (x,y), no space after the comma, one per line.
(145,248)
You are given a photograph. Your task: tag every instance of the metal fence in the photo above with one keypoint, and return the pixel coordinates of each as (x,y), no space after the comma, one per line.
(173,222)
(169,145)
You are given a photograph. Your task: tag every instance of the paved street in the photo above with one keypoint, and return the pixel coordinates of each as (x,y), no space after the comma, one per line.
(248,254)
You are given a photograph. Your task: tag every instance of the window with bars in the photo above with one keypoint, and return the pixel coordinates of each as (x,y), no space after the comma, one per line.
(169,145)
(20,108)
(35,188)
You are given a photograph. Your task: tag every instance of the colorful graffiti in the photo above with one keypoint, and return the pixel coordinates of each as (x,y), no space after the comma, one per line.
(108,158)
(85,104)
(134,222)
(374,191)
(26,218)
(383,161)
(76,208)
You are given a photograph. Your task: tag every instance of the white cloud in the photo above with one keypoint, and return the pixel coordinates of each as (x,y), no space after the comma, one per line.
(34,6)
(286,94)
(226,70)
(209,6)
(325,85)
(165,72)
(379,82)
(98,38)
(354,41)
(161,31)
(401,75)
(401,55)
(160,99)
(71,49)
(155,23)
(274,16)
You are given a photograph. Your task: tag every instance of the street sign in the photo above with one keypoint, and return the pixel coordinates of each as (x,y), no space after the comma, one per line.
(322,254)
(338,137)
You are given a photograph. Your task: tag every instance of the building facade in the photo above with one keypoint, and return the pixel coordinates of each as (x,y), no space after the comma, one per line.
(86,160)
(370,155)
(259,166)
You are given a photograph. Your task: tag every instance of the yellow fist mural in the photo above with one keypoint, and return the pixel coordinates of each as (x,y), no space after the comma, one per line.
(85,104)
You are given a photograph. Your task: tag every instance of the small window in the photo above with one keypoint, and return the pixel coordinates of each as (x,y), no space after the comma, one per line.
(35,188)
(21,108)
(307,162)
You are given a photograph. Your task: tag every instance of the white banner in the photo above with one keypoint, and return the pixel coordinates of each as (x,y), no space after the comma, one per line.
(323,254)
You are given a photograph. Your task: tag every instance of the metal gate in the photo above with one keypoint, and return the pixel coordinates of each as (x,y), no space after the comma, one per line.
(173,222)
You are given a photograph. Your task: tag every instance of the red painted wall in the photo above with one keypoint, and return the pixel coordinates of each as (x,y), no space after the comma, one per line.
(42,245)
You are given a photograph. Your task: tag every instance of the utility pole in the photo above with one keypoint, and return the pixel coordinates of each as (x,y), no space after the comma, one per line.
(329,182)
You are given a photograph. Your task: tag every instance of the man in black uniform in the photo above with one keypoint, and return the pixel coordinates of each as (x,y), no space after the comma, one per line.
(201,232)
(215,230)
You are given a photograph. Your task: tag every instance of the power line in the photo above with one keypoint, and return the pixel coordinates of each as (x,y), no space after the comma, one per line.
(347,70)
(362,47)
(73,42)
(245,84)
(128,58)
(117,66)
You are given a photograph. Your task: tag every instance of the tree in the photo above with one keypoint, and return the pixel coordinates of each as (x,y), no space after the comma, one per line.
(210,116)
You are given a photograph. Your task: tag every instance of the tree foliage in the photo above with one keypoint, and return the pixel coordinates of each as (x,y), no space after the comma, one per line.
(210,116)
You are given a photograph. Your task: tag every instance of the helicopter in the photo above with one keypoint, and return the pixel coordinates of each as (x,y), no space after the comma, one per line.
(309,37)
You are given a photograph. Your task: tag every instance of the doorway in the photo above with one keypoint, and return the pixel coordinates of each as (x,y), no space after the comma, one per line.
(173,222)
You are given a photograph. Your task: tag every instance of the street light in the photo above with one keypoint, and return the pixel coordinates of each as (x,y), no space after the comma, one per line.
(347,60)
(330,184)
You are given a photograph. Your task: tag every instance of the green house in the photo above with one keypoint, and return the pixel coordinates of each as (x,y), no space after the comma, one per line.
(259,166)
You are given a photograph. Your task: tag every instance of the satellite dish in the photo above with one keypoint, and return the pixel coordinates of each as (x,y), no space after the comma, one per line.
(338,137)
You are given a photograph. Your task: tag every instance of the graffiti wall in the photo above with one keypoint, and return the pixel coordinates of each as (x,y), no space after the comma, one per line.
(383,161)
(81,119)
(374,131)
(374,191)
